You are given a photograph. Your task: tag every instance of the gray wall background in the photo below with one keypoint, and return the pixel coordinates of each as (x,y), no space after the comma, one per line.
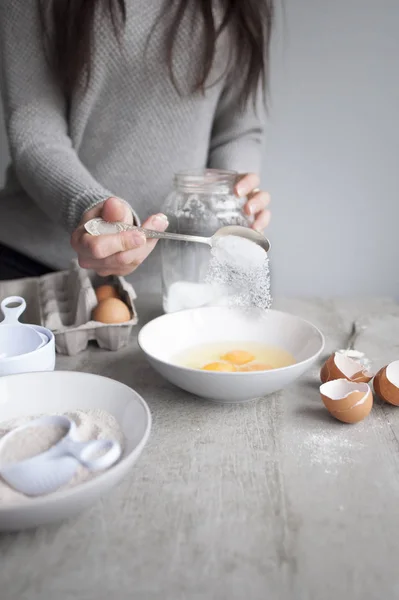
(331,159)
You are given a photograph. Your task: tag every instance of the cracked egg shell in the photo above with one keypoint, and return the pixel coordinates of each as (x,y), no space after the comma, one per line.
(386,383)
(339,366)
(347,401)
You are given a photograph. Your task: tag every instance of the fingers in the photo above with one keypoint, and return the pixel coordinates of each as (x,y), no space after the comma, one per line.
(103,246)
(157,222)
(257,201)
(112,210)
(116,254)
(262,220)
(246,184)
(115,210)
(128,260)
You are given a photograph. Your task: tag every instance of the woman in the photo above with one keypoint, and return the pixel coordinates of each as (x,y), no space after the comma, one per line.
(104,101)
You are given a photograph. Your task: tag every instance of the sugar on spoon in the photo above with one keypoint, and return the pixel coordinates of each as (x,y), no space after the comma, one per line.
(100,227)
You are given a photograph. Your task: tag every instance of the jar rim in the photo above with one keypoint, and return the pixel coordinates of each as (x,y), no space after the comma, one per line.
(205,177)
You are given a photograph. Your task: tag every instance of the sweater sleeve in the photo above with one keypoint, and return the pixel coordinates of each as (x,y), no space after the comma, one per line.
(237,134)
(46,164)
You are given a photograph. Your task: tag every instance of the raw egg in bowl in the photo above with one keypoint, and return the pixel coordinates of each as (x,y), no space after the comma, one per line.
(230,354)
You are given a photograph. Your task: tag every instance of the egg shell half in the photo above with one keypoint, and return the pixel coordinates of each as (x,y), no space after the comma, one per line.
(339,366)
(347,401)
(386,383)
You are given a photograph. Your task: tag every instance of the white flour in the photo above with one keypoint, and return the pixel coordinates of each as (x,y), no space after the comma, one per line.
(30,442)
(91,425)
(242,268)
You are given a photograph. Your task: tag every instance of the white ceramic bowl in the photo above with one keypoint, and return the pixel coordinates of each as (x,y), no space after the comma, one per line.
(42,359)
(169,335)
(19,339)
(59,391)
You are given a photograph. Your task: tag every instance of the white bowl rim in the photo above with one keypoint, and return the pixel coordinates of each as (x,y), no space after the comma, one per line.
(235,373)
(65,494)
(48,333)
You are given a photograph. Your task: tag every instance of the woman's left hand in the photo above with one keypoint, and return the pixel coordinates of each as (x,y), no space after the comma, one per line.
(257,200)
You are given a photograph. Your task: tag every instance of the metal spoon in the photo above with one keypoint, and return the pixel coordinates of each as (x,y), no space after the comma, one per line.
(101,227)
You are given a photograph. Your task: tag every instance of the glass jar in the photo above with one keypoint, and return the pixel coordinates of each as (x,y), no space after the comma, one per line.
(201,203)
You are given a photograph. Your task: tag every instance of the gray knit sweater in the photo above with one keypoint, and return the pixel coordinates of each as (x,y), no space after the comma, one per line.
(125,136)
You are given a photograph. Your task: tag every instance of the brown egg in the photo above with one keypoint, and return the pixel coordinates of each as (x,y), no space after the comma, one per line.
(255,367)
(339,366)
(347,401)
(386,383)
(238,357)
(220,366)
(111,310)
(106,291)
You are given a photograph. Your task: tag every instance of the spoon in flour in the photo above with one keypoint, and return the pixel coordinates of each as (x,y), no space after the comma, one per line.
(100,227)
(47,471)
(357,328)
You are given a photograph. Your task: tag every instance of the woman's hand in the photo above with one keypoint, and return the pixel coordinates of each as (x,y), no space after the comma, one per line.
(119,253)
(257,202)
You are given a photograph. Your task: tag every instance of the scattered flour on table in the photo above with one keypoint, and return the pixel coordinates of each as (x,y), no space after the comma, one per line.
(330,449)
(242,268)
(92,424)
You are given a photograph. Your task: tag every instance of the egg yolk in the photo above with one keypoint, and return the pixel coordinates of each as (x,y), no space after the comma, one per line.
(238,357)
(256,367)
(220,366)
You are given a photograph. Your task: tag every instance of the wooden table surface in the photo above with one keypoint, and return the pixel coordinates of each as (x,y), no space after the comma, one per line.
(267,500)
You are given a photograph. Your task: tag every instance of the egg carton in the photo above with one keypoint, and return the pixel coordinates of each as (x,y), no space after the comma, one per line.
(67,300)
(64,302)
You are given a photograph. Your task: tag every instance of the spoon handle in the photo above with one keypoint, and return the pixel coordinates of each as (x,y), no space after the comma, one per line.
(109,452)
(178,237)
(357,329)
(100,227)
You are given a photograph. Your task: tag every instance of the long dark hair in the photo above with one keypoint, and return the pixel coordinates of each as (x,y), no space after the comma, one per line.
(69,46)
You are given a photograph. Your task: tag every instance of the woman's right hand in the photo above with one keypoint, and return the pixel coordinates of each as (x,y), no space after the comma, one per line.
(118,253)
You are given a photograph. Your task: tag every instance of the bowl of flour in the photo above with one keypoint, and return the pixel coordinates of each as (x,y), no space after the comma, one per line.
(101,408)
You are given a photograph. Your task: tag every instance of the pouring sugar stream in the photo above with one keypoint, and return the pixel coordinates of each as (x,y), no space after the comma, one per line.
(241,268)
